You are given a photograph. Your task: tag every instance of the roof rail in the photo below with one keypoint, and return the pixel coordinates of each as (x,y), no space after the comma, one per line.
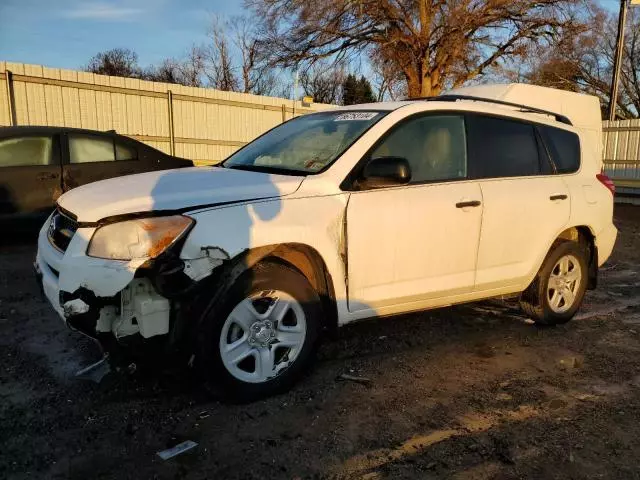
(523,108)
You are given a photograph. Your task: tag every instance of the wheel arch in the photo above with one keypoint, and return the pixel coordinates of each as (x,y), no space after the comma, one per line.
(301,257)
(582,234)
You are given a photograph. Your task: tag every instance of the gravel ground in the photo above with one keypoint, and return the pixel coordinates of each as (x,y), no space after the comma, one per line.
(473,391)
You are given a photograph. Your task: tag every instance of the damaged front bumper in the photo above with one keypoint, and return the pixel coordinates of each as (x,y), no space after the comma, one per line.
(118,303)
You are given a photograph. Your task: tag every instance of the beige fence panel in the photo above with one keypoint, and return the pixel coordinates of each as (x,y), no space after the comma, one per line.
(202,124)
(622,152)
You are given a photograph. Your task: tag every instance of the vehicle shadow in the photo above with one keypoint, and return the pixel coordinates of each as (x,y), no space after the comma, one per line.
(15,227)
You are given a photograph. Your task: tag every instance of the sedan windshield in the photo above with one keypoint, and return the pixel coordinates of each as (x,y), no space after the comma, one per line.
(306,144)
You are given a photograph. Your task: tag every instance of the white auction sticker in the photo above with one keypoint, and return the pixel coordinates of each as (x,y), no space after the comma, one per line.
(355,116)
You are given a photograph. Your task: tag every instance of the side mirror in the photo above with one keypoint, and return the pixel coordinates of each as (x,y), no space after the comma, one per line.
(386,172)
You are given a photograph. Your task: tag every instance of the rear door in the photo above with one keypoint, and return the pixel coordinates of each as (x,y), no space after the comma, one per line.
(30,174)
(93,157)
(525,205)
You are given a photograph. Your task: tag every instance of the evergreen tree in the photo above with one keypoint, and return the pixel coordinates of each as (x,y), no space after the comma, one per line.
(356,91)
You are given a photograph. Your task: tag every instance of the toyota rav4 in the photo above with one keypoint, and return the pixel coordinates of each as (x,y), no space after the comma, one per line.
(350,213)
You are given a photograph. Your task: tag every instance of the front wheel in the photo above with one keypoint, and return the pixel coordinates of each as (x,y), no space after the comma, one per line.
(558,290)
(263,335)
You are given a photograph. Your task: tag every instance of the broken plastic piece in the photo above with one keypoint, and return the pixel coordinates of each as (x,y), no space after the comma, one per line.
(75,307)
(177,450)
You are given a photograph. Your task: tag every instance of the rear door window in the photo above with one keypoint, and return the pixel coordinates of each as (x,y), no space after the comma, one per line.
(500,147)
(26,151)
(91,148)
(564,147)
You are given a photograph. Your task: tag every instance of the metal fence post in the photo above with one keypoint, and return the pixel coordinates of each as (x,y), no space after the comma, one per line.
(617,63)
(11,102)
(172,139)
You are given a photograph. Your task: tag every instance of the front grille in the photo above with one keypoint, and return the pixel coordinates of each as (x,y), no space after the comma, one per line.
(61,230)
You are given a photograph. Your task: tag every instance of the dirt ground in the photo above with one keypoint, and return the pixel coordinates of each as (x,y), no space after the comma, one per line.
(468,392)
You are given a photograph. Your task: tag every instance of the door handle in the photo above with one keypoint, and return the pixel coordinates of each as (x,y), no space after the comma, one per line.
(470,203)
(558,197)
(47,176)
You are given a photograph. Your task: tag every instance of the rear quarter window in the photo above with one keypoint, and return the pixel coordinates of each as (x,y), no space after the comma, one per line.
(564,147)
(125,152)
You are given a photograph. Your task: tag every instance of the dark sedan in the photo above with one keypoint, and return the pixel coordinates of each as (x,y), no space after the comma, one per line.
(38,164)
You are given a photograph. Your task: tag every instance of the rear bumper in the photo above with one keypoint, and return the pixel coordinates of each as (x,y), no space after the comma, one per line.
(605,241)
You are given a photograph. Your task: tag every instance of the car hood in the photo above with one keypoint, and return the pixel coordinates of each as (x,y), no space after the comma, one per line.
(181,189)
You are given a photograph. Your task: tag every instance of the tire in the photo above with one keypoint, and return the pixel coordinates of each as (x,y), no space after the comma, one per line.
(278,314)
(547,305)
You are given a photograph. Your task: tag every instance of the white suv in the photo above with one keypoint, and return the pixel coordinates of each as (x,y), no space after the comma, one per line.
(334,217)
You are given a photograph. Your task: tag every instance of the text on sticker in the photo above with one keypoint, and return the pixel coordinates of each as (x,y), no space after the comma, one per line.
(355,116)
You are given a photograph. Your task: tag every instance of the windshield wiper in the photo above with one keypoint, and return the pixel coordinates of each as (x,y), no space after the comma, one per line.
(269,169)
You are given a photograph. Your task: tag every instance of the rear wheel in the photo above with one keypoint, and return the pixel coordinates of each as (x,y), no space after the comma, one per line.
(263,336)
(558,290)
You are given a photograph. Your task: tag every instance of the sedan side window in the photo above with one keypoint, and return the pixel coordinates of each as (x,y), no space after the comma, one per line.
(434,146)
(125,152)
(90,148)
(25,151)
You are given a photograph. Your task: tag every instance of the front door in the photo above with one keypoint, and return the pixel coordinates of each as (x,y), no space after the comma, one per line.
(97,157)
(419,241)
(30,175)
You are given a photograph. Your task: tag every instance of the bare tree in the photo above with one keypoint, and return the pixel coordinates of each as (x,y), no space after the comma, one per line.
(192,68)
(388,81)
(118,62)
(584,61)
(257,76)
(187,71)
(323,82)
(166,72)
(235,59)
(436,44)
(221,72)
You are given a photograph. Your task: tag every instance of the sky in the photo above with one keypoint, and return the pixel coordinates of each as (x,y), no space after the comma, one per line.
(67,33)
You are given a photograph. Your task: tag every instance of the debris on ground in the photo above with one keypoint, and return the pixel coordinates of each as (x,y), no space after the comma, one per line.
(177,450)
(96,371)
(353,378)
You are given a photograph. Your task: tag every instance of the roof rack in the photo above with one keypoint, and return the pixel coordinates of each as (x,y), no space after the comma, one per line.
(523,108)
